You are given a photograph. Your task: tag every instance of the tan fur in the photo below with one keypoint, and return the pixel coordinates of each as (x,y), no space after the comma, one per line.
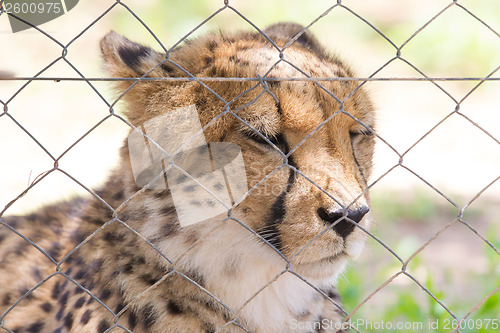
(155,275)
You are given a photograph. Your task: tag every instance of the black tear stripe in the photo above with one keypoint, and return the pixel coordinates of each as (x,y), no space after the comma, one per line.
(132,56)
(365,133)
(271,232)
(360,170)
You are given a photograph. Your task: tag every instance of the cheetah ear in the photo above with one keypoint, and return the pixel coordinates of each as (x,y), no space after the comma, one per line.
(124,58)
(288,30)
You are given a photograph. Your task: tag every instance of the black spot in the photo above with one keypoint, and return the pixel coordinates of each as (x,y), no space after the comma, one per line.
(173,308)
(105,295)
(169,228)
(208,61)
(77,236)
(213,71)
(118,196)
(182,178)
(46,307)
(86,317)
(218,186)
(195,203)
(305,39)
(78,290)
(170,69)
(132,56)
(68,272)
(209,328)
(93,220)
(212,45)
(95,265)
(60,313)
(333,295)
(139,260)
(200,102)
(64,299)
(196,277)
(119,307)
(80,274)
(103,326)
(100,192)
(68,320)
(124,216)
(190,188)
(149,279)
(192,237)
(168,210)
(2,237)
(273,84)
(161,194)
(35,328)
(79,302)
(20,248)
(59,330)
(13,221)
(127,268)
(149,317)
(228,39)
(112,237)
(6,300)
(132,320)
(89,283)
(23,291)
(37,274)
(202,149)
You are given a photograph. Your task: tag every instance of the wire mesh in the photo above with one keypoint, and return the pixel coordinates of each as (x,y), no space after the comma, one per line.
(263,82)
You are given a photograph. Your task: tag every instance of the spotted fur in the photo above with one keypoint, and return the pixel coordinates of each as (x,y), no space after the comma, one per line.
(121,262)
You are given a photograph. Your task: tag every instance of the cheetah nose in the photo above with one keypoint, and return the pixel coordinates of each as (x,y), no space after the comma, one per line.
(345,226)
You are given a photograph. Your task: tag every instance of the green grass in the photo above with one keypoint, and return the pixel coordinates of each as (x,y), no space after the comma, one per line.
(403,300)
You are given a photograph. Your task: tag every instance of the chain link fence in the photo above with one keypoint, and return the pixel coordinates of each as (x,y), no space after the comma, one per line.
(365,303)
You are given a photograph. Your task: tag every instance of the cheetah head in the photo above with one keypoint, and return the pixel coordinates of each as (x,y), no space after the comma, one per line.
(306,142)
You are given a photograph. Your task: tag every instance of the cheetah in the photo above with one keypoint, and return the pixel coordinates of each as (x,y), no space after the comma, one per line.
(120,260)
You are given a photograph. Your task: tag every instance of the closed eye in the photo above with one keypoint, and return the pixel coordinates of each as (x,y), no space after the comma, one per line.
(262,139)
(365,132)
(278,139)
